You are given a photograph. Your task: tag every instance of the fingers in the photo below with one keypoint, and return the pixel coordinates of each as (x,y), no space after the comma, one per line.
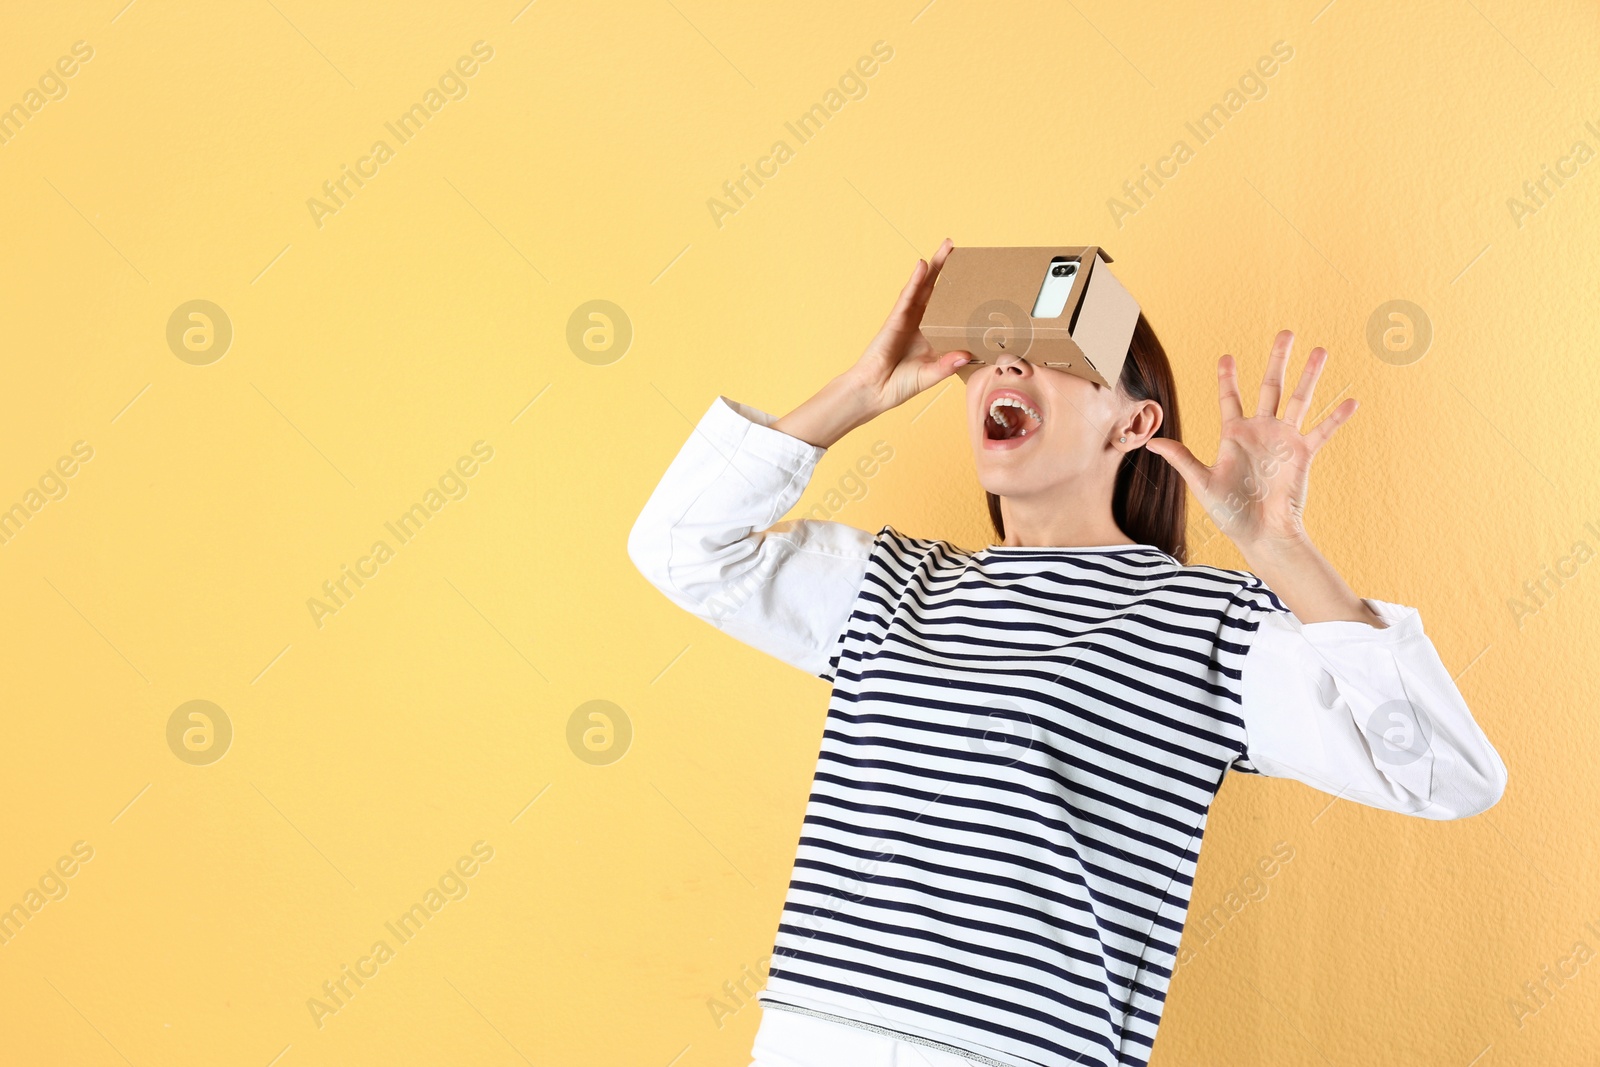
(939,256)
(1272,380)
(918,288)
(932,372)
(908,295)
(931,275)
(1228,389)
(948,364)
(1300,402)
(1322,431)
(1191,470)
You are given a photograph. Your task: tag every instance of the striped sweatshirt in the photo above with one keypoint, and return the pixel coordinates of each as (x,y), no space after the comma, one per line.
(1022,747)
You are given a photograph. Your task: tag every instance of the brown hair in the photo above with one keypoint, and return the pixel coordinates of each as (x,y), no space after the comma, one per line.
(1148,501)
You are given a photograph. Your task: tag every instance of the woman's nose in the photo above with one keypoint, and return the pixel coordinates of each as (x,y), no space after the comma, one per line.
(1012,364)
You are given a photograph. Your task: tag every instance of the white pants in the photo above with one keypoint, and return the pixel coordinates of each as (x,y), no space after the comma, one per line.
(790,1039)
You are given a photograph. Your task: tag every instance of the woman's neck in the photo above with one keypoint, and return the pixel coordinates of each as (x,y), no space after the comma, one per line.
(1058,522)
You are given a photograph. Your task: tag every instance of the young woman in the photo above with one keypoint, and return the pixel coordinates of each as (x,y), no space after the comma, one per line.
(1023,742)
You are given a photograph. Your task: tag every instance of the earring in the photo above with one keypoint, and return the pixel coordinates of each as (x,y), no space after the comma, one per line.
(1123,438)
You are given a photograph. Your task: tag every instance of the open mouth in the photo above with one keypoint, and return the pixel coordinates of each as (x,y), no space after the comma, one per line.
(1011,417)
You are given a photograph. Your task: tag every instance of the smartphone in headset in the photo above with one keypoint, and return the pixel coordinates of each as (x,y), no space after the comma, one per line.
(1053,293)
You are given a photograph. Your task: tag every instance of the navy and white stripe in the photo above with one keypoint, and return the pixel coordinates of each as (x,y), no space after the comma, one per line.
(1020,753)
(1021,750)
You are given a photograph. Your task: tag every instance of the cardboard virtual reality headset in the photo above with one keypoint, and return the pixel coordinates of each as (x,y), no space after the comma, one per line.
(1055,307)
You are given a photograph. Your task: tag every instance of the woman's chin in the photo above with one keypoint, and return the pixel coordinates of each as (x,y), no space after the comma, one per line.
(1015,466)
(1002,479)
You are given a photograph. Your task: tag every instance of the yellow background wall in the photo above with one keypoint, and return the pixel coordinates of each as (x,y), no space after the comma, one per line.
(374,346)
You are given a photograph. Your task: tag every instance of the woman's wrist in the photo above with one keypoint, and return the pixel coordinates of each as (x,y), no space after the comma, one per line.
(837,408)
(1306,581)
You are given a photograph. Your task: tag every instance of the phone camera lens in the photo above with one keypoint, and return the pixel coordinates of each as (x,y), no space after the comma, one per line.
(1061,270)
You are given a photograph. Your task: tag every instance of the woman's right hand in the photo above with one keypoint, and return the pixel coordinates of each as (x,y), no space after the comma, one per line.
(898,364)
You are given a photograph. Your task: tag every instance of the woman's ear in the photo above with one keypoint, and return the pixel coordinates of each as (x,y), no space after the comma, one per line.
(1140,424)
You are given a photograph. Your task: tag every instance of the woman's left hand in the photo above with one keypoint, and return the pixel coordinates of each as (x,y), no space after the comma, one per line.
(1256,490)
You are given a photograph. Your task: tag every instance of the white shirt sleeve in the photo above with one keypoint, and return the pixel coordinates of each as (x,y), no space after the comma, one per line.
(709,539)
(1365,713)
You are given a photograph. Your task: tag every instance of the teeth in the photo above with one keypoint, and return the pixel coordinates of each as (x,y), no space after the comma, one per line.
(1012,402)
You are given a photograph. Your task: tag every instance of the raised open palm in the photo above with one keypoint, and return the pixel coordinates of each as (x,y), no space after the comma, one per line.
(1256,490)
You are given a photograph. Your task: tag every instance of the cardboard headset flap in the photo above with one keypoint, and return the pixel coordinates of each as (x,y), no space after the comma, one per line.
(984,299)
